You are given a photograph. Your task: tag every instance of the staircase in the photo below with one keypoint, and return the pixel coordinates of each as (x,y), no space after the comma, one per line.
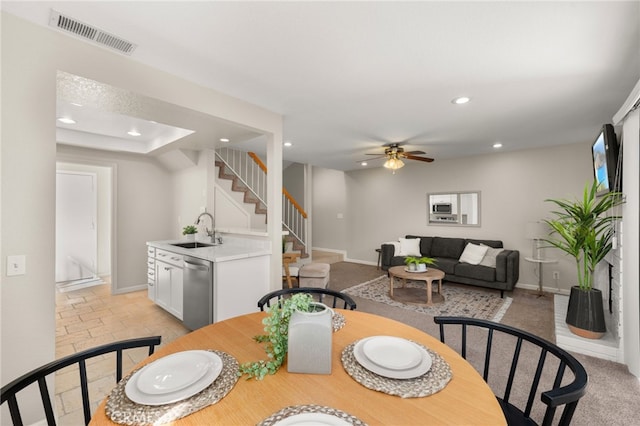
(247,174)
(237,185)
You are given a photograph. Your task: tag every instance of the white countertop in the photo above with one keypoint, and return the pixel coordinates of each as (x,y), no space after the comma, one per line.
(231,249)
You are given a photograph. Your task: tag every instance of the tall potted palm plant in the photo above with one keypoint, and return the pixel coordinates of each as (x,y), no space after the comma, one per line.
(584,229)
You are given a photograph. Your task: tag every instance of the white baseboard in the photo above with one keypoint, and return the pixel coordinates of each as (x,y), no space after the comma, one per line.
(361,262)
(342,252)
(534,287)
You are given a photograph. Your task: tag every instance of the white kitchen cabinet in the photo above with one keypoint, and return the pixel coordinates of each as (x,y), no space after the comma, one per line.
(239,284)
(234,275)
(151,273)
(169,282)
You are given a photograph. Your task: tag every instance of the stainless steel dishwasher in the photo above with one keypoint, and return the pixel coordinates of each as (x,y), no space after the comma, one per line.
(198,293)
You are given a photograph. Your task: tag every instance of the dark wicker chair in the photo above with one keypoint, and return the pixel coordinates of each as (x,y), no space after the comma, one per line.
(40,374)
(546,372)
(322,295)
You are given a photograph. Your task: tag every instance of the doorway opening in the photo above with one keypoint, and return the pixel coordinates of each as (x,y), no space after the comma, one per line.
(83,225)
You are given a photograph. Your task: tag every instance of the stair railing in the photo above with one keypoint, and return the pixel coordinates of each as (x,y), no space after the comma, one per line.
(253,173)
(294,218)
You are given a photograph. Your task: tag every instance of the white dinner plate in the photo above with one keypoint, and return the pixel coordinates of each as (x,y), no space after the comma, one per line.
(393,353)
(423,366)
(133,392)
(174,372)
(312,419)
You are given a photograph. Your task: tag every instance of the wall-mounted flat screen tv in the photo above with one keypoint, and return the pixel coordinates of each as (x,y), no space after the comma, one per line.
(605,160)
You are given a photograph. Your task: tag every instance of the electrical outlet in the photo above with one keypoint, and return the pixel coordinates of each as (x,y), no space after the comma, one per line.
(556,275)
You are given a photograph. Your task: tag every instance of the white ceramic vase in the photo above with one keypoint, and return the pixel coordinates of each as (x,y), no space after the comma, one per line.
(309,341)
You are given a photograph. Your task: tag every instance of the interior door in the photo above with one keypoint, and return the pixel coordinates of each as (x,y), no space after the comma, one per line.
(76,236)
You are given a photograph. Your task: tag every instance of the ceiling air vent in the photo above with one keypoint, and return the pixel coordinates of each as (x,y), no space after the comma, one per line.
(88,32)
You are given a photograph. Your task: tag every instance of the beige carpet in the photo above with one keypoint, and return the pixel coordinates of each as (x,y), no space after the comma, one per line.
(613,394)
(462,301)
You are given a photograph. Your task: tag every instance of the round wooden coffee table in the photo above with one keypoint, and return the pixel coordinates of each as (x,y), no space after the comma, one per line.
(415,295)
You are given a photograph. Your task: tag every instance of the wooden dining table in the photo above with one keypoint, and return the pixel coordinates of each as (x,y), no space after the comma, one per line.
(465,400)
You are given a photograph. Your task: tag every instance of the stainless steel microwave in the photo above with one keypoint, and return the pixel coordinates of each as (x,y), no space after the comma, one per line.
(442,208)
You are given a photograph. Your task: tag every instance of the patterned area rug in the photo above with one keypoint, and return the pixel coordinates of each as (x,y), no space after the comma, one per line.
(458,300)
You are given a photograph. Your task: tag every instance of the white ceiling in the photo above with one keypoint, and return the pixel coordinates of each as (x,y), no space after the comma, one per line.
(349,77)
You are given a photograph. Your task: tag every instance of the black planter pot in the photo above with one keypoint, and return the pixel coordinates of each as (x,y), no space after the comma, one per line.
(585,314)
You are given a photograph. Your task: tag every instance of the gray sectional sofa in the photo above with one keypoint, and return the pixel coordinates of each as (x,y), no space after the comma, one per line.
(447,252)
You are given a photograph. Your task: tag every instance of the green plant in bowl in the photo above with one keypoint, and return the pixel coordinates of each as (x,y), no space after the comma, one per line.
(412,262)
(189,229)
(277,335)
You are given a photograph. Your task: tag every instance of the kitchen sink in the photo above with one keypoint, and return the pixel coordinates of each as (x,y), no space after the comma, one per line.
(192,245)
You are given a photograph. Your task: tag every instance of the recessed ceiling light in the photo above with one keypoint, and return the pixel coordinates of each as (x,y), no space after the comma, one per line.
(461,100)
(224,140)
(287,144)
(133,133)
(364,163)
(497,145)
(76,104)
(67,120)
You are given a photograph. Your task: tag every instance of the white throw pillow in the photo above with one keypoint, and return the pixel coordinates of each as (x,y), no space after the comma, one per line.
(490,256)
(409,247)
(473,254)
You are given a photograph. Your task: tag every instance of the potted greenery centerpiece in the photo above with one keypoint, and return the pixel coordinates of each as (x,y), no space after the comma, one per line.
(583,230)
(418,264)
(276,337)
(190,231)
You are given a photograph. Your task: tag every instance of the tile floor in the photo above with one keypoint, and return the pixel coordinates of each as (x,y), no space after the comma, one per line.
(90,317)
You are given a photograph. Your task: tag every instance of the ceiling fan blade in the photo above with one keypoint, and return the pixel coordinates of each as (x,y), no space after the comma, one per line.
(425,159)
(369,159)
(415,152)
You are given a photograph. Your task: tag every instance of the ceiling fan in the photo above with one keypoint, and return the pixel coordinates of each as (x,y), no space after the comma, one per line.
(394,153)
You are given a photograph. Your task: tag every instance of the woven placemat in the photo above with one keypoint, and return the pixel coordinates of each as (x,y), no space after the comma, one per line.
(122,410)
(337,321)
(302,409)
(429,383)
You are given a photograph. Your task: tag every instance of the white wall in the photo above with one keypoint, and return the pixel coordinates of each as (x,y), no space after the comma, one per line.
(380,206)
(144,201)
(630,242)
(31,57)
(329,188)
(190,195)
(293,180)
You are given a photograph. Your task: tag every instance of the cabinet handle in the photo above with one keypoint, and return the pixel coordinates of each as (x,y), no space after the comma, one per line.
(162,254)
(167,268)
(150,284)
(175,258)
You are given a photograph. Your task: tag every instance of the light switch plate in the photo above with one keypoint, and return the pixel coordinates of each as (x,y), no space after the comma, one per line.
(16,265)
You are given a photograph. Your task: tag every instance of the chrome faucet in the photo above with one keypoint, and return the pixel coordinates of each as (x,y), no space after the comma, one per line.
(210,233)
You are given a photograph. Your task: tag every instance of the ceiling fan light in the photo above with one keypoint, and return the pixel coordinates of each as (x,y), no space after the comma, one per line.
(393,163)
